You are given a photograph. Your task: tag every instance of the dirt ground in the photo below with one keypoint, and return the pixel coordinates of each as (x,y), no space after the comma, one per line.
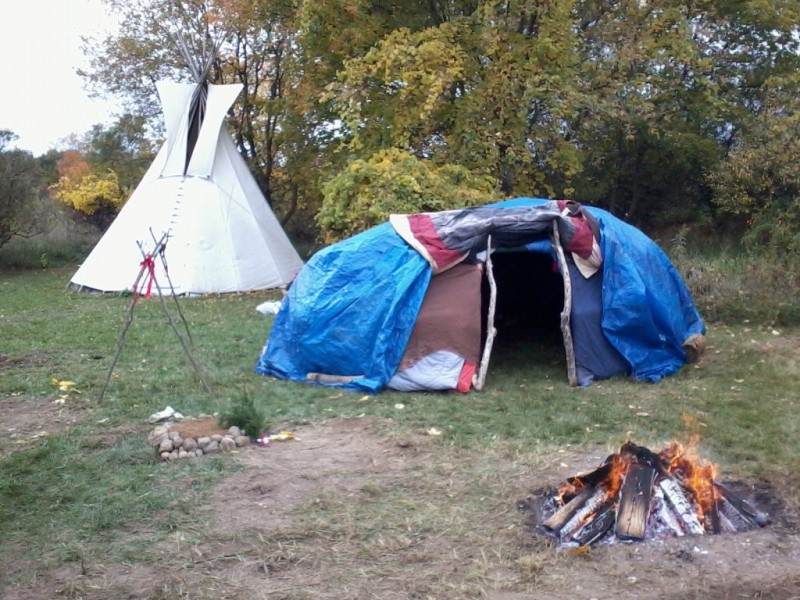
(350,511)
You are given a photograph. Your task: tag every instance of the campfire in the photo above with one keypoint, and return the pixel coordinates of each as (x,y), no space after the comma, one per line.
(640,495)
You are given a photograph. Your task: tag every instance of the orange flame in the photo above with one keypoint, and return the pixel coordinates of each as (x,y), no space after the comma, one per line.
(619,468)
(570,489)
(696,474)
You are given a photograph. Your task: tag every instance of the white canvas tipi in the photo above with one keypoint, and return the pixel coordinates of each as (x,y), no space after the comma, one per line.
(222,235)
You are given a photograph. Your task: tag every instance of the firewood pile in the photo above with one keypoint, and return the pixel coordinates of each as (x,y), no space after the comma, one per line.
(637,494)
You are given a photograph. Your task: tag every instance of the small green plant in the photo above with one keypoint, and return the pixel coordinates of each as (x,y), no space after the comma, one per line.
(244,414)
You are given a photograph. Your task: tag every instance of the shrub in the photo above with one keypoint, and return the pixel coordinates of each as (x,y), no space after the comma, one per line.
(393,181)
(244,414)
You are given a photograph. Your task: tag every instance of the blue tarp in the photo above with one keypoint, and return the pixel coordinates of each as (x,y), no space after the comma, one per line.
(648,311)
(350,311)
(352,308)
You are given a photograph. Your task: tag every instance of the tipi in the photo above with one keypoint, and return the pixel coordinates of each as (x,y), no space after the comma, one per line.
(221,235)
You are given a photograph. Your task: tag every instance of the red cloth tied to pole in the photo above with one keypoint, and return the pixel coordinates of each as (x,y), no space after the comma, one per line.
(149,264)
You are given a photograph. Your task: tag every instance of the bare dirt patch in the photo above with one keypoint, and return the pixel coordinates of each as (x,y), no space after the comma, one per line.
(206,426)
(350,512)
(24,421)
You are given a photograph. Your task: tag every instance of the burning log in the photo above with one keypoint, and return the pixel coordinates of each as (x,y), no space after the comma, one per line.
(555,523)
(592,478)
(585,513)
(664,514)
(682,507)
(597,527)
(638,494)
(634,502)
(741,514)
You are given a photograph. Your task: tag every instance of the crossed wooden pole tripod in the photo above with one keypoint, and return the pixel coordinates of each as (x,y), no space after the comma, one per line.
(143,286)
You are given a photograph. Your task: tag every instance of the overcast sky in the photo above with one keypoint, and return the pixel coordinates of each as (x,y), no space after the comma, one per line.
(42,98)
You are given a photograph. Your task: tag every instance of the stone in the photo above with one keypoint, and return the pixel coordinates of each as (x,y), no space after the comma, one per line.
(157,435)
(166,445)
(183,453)
(177,441)
(189,444)
(203,441)
(212,447)
(198,452)
(234,431)
(174,434)
(164,455)
(216,438)
(161,415)
(227,444)
(242,440)
(173,455)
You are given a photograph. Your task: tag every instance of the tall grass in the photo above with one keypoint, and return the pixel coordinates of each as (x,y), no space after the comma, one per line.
(743,285)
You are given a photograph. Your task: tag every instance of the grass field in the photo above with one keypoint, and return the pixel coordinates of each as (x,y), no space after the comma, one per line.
(78,481)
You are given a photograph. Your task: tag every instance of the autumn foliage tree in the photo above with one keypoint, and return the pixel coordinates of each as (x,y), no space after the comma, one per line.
(97,196)
(392,181)
(628,105)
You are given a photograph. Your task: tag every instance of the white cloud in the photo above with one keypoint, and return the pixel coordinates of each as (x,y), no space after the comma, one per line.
(43,99)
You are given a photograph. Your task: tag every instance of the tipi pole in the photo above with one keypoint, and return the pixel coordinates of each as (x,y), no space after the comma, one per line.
(124,330)
(146,270)
(197,371)
(162,255)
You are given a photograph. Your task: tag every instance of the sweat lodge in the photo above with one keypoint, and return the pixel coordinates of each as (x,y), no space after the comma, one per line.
(415,303)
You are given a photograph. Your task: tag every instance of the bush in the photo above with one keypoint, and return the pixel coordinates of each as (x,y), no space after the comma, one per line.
(40,253)
(744,286)
(244,414)
(392,181)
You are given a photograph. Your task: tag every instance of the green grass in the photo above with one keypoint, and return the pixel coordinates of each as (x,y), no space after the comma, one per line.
(67,497)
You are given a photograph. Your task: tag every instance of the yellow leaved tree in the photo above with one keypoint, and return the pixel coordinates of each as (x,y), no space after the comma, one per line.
(98,196)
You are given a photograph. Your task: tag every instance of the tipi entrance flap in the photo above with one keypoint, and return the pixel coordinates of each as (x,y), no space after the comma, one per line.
(176,99)
(220,99)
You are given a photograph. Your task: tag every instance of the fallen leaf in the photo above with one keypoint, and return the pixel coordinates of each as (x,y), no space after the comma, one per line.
(283,436)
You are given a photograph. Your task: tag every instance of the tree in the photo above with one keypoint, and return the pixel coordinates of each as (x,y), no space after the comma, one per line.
(20,189)
(97,196)
(663,89)
(759,181)
(257,48)
(122,147)
(489,90)
(626,104)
